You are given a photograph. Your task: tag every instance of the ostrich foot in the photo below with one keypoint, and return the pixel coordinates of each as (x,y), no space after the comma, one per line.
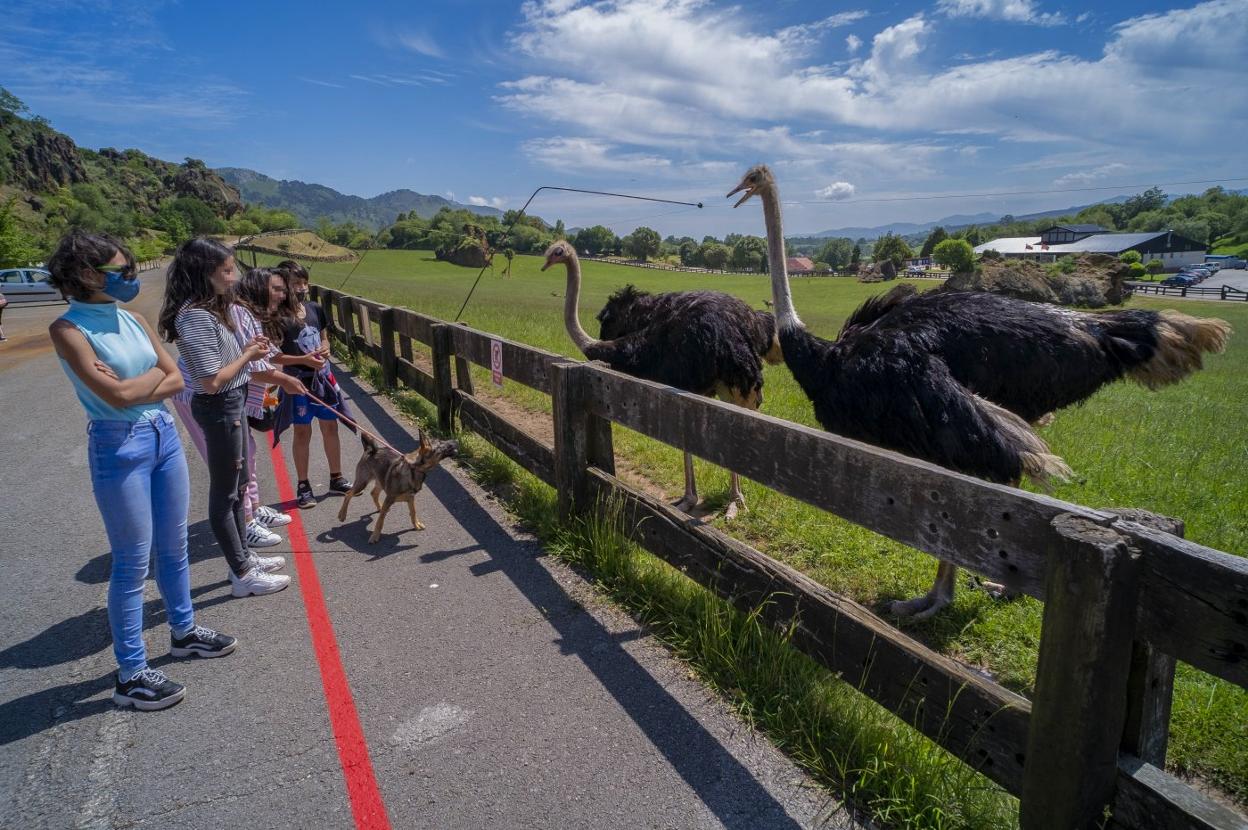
(997,591)
(920,608)
(734,507)
(686,503)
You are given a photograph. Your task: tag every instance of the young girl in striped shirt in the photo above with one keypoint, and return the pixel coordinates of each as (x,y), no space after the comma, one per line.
(196,317)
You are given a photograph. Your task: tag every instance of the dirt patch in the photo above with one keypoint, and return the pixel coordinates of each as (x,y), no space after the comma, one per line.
(1094,281)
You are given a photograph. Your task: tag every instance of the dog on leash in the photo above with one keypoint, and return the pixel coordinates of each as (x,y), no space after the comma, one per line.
(400,476)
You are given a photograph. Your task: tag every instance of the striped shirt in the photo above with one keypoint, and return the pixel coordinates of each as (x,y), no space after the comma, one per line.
(206,346)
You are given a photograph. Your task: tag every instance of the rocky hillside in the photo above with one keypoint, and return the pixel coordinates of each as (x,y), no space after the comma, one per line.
(311,202)
(1087,281)
(53,183)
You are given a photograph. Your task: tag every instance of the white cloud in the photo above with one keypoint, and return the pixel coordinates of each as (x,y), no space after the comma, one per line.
(1085,177)
(658,81)
(806,34)
(836,191)
(589,155)
(481,201)
(1015,11)
(852,43)
(319,83)
(420,42)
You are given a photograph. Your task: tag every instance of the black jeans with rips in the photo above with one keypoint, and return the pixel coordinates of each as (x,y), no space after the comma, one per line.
(221,418)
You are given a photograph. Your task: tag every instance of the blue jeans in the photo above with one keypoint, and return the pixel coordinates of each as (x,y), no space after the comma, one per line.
(139,476)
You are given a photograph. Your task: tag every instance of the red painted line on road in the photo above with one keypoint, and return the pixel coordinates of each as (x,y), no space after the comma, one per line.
(357,767)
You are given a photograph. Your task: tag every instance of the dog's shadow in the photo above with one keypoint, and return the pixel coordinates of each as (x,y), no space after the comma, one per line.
(354,534)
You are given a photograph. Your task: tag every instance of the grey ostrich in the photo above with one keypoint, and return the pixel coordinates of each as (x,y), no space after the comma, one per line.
(705,342)
(956,377)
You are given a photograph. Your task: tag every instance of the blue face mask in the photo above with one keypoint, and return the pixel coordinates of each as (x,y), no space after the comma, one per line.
(118,287)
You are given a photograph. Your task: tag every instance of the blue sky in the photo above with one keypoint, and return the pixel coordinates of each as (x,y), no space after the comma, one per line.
(849,102)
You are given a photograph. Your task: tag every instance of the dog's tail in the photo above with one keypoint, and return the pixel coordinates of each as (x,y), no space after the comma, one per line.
(369,442)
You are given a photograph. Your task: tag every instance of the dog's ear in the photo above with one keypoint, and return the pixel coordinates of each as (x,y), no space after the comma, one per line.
(370,443)
(425,448)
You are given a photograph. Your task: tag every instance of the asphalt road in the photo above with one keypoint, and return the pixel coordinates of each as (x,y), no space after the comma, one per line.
(494,689)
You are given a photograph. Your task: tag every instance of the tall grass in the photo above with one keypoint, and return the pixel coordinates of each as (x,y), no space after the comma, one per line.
(1179,451)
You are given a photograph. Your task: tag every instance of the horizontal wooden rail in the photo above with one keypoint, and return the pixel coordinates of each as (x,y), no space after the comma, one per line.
(521,363)
(972,717)
(518,445)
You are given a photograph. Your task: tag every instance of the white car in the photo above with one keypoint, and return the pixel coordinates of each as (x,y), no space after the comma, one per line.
(28,285)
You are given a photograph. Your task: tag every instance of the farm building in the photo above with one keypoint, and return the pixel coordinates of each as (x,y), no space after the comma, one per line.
(800,265)
(1173,250)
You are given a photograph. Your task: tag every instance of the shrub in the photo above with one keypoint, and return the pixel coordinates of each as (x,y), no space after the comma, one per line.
(955,254)
(1130,257)
(1136,270)
(1154,266)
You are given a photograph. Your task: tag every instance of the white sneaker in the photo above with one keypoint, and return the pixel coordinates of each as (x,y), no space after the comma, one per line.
(259,536)
(269,517)
(268,564)
(257,582)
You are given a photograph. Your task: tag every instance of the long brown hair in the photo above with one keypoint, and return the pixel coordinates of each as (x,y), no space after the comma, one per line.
(189,281)
(287,313)
(253,293)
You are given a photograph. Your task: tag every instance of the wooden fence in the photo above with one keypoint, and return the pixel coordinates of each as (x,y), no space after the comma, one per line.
(1221,292)
(1124,599)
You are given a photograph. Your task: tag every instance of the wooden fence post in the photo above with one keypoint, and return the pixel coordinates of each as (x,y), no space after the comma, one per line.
(389,361)
(463,377)
(582,439)
(1080,701)
(326,300)
(1150,682)
(443,390)
(348,321)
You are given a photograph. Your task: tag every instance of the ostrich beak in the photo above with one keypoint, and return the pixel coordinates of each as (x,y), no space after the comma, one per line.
(547,264)
(749,191)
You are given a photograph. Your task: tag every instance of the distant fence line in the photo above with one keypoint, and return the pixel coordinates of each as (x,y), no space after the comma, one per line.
(694,269)
(1223,292)
(1124,595)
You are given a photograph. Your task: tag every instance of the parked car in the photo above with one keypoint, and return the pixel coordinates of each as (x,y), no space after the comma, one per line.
(1179,280)
(28,285)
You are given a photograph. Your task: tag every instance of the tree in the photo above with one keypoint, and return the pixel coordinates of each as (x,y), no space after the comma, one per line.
(892,247)
(855,259)
(937,236)
(10,103)
(16,246)
(596,240)
(955,254)
(643,243)
(1154,266)
(748,253)
(1130,257)
(837,252)
(689,253)
(714,255)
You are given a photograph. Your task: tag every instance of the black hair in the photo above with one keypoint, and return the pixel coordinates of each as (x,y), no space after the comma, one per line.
(253,291)
(189,282)
(294,269)
(80,251)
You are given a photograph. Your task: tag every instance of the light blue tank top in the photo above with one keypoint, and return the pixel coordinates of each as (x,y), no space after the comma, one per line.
(121,342)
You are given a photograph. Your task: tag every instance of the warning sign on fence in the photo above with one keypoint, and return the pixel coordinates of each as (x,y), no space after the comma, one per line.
(496,362)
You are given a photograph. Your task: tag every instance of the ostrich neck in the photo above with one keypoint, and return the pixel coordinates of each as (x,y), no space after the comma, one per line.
(571,305)
(781,296)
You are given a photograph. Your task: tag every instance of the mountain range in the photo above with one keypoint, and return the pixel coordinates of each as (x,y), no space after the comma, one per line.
(311,202)
(949,223)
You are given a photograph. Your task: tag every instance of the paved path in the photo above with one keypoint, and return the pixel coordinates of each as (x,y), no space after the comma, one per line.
(493,688)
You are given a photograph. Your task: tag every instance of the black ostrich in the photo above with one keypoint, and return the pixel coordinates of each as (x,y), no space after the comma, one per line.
(705,342)
(956,377)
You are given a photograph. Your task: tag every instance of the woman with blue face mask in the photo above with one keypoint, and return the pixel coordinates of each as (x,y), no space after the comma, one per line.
(121,376)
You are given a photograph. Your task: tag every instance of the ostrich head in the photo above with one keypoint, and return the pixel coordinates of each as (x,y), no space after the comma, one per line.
(755,180)
(560,251)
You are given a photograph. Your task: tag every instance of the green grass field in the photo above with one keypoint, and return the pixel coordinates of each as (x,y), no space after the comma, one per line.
(1180,451)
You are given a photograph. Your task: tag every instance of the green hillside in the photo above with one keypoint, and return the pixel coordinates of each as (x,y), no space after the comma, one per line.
(314,202)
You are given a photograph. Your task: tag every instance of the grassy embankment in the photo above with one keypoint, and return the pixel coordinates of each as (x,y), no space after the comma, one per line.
(1178,451)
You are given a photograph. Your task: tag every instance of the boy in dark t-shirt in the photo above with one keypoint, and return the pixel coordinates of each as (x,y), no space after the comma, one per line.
(305,350)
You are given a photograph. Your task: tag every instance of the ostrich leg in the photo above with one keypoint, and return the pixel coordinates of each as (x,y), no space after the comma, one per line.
(940,595)
(690,499)
(736,499)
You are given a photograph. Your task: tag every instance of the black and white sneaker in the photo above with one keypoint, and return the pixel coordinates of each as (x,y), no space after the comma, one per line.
(339,484)
(201,642)
(303,495)
(149,690)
